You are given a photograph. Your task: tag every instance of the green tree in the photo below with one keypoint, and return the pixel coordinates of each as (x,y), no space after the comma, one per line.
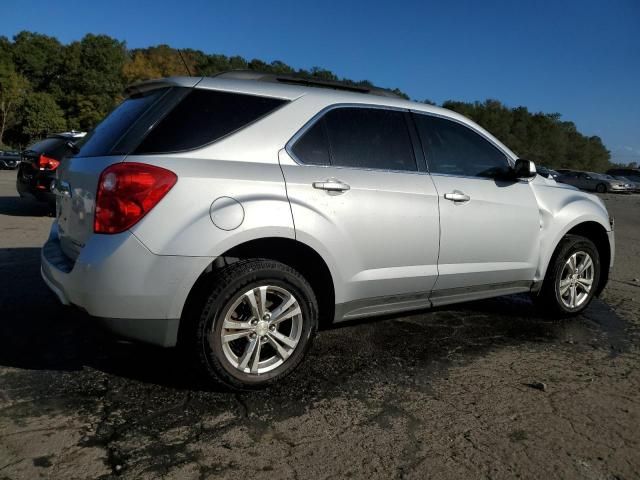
(93,78)
(38,57)
(40,115)
(13,88)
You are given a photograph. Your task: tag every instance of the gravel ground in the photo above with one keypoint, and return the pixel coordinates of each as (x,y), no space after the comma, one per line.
(449,393)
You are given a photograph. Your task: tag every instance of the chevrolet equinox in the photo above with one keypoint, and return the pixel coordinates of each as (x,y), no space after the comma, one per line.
(231,216)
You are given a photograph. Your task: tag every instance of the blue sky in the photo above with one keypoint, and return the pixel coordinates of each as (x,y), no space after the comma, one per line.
(579,58)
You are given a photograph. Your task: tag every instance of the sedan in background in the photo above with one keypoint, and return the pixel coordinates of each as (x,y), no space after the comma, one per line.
(598,182)
(632,186)
(39,163)
(9,160)
(547,172)
(632,174)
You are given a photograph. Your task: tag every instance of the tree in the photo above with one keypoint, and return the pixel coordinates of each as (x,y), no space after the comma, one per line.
(38,57)
(93,78)
(40,115)
(13,88)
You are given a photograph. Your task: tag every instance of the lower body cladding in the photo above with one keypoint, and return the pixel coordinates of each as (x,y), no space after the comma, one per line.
(130,290)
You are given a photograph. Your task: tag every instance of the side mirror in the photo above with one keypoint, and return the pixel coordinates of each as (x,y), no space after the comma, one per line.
(524,169)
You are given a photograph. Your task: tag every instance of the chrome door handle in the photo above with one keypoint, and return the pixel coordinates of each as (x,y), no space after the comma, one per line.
(331,186)
(457,196)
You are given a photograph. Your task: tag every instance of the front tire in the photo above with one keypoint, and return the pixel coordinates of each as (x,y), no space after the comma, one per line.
(257,323)
(601,188)
(572,276)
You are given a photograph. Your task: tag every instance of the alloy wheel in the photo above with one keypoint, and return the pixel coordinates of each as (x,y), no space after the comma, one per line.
(576,279)
(261,329)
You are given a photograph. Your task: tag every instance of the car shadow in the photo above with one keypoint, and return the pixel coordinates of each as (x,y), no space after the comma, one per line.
(37,333)
(25,207)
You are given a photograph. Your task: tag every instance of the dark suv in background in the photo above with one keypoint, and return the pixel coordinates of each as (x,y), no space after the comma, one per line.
(39,163)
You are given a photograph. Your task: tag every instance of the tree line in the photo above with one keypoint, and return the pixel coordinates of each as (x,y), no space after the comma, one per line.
(48,87)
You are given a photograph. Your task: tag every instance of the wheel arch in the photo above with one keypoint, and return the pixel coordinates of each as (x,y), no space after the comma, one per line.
(294,253)
(597,233)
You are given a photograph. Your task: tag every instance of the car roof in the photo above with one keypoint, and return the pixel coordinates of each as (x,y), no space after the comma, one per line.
(326,96)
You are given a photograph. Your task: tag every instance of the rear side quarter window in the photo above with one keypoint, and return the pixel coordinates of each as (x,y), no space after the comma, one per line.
(203,117)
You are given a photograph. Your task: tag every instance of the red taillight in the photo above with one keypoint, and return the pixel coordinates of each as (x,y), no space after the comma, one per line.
(127,192)
(47,163)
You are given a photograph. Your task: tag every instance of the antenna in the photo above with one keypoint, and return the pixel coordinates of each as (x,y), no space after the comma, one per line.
(185,63)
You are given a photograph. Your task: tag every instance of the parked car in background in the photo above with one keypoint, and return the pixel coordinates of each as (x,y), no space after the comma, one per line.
(597,182)
(9,159)
(547,172)
(632,174)
(633,187)
(233,215)
(39,163)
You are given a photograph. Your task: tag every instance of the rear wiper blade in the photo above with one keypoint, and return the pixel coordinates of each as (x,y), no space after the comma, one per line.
(73,147)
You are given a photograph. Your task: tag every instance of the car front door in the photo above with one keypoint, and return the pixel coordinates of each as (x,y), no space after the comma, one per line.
(361,198)
(489,240)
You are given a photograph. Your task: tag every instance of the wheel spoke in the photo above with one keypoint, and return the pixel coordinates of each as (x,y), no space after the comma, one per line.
(284,354)
(572,263)
(251,298)
(564,286)
(230,337)
(234,325)
(283,307)
(262,296)
(585,265)
(585,282)
(289,342)
(572,298)
(248,352)
(256,357)
(286,315)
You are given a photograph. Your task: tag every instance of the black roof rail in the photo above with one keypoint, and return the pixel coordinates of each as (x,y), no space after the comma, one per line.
(302,81)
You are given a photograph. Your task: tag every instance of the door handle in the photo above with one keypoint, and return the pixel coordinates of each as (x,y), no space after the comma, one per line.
(457,196)
(331,185)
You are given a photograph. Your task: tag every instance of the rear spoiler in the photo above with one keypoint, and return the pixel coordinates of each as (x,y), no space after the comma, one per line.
(146,85)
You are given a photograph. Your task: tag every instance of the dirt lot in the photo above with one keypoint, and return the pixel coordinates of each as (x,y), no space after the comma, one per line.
(441,394)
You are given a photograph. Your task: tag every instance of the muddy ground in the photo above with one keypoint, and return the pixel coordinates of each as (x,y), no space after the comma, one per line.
(439,394)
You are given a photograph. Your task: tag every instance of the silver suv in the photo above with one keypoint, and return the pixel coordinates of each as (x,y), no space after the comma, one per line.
(233,215)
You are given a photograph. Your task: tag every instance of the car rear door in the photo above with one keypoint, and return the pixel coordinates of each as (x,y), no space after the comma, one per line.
(489,228)
(360,198)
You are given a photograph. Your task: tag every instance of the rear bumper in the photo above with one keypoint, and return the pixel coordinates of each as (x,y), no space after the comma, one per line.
(132,291)
(37,187)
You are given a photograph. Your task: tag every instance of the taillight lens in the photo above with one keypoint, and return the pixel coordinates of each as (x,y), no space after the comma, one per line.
(127,192)
(47,163)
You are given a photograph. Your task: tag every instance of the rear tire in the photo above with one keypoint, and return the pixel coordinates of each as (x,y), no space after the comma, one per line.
(572,277)
(258,320)
(601,188)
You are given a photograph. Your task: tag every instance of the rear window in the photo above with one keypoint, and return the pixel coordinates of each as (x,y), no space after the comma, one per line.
(107,134)
(203,117)
(52,147)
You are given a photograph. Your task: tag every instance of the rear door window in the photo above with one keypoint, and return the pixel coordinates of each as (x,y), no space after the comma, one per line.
(203,117)
(371,138)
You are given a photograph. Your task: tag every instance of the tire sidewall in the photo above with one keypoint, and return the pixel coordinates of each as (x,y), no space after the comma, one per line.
(212,319)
